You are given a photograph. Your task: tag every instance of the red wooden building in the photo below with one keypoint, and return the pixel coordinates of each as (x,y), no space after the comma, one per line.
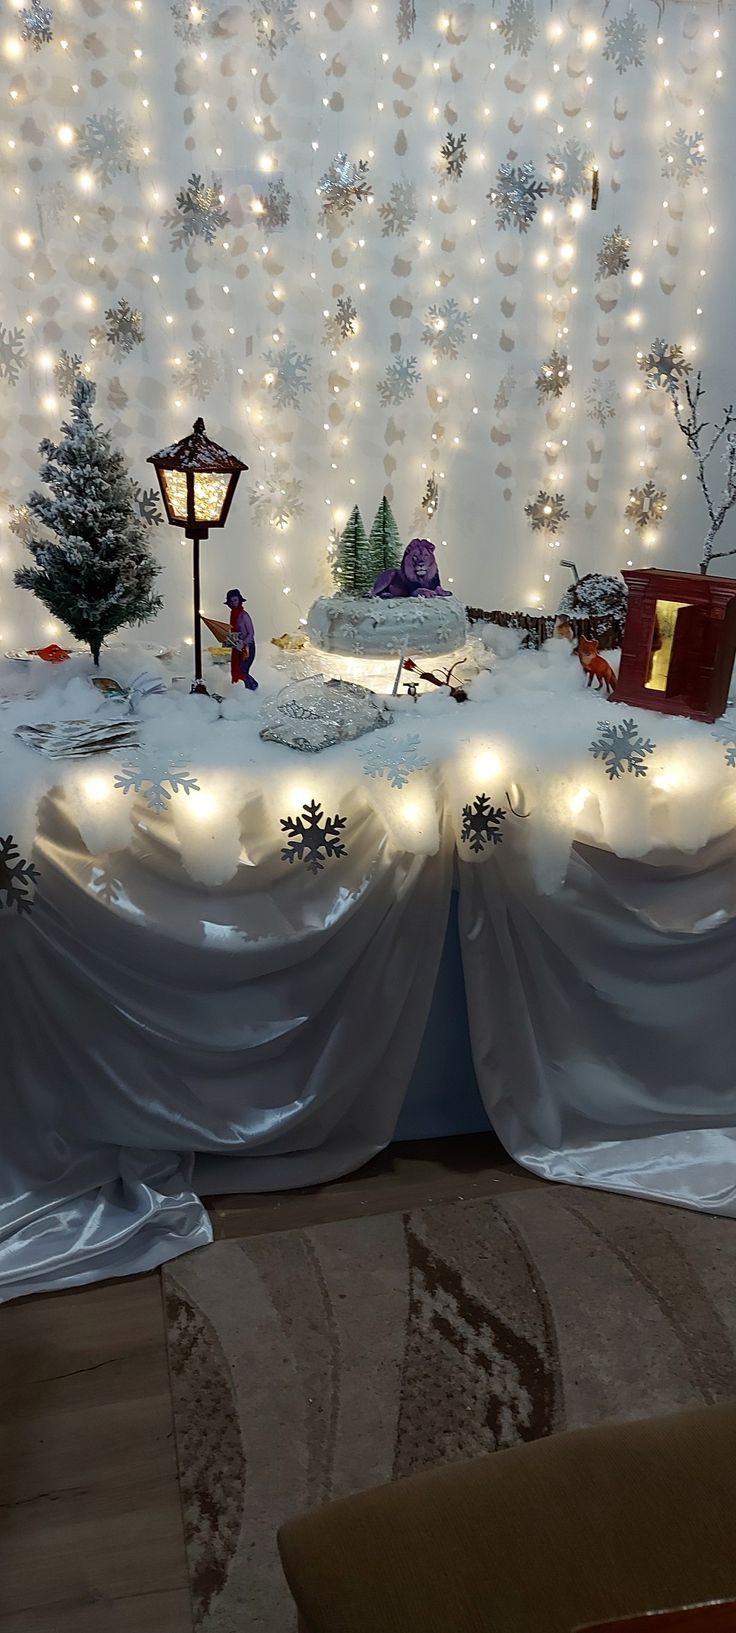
(679,643)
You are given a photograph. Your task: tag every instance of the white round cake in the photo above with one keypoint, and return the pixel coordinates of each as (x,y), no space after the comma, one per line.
(370,627)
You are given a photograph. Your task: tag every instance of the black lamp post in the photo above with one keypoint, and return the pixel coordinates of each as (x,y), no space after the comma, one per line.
(197,479)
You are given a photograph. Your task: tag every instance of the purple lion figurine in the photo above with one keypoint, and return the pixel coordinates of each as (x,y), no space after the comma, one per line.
(417,575)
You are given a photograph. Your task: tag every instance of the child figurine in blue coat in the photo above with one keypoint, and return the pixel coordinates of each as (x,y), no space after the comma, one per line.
(242,640)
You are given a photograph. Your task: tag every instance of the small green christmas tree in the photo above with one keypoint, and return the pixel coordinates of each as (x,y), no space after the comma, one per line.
(383,541)
(352,564)
(95,572)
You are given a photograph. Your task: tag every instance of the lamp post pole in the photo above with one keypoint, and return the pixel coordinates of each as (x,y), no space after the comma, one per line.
(198,685)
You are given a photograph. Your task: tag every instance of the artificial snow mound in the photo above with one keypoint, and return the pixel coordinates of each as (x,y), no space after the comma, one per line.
(366,627)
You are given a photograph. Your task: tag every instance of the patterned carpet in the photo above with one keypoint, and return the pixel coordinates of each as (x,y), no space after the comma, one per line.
(309,1364)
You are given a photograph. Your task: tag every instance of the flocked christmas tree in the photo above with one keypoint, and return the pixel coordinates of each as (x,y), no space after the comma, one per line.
(384,543)
(93,566)
(352,565)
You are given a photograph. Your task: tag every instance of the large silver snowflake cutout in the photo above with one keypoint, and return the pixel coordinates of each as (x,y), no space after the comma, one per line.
(601,399)
(343,185)
(683,156)
(553,377)
(124,328)
(399,381)
(273,206)
(516,194)
(400,209)
(16,874)
(36,20)
(200,373)
(199,212)
(571,169)
(277,502)
(664,365)
(156,779)
(646,505)
(394,759)
(12,354)
(519,27)
(104,145)
(546,512)
(621,748)
(287,375)
(481,824)
(613,256)
(625,41)
(445,328)
(313,837)
(276,21)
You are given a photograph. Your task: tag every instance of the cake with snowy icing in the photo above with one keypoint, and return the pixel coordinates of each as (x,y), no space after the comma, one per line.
(407,610)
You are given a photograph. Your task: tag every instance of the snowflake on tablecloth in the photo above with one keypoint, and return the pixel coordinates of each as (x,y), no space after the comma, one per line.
(406,17)
(124,328)
(621,748)
(431,496)
(343,185)
(199,212)
(504,391)
(16,874)
(481,824)
(273,206)
(104,885)
(601,399)
(519,27)
(683,156)
(664,365)
(12,354)
(277,502)
(287,375)
(546,512)
(400,209)
(67,370)
(445,328)
(36,20)
(625,40)
(340,324)
(646,505)
(147,502)
(313,837)
(553,377)
(516,195)
(725,733)
(571,165)
(188,20)
(613,256)
(157,779)
(200,373)
(395,759)
(453,155)
(105,146)
(399,381)
(276,22)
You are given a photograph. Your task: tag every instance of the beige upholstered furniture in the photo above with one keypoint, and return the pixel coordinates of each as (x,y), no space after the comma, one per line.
(543,1538)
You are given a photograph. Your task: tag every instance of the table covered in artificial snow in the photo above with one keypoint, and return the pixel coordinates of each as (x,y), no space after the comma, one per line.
(245,966)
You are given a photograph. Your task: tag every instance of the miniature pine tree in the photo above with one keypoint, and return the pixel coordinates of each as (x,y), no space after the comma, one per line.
(384,543)
(93,566)
(352,566)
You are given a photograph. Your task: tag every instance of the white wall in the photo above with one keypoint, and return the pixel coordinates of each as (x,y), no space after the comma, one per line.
(222,105)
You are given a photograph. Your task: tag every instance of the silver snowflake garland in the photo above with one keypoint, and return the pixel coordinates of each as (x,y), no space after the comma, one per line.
(683,156)
(621,748)
(16,874)
(445,328)
(453,155)
(104,145)
(394,759)
(664,365)
(200,373)
(36,20)
(571,168)
(276,22)
(156,779)
(341,323)
(273,206)
(519,27)
(147,502)
(613,256)
(188,20)
(405,19)
(399,381)
(313,837)
(481,824)
(601,399)
(554,376)
(546,512)
(516,194)
(124,327)
(625,40)
(66,371)
(199,212)
(431,496)
(287,375)
(400,209)
(12,354)
(276,502)
(646,505)
(343,185)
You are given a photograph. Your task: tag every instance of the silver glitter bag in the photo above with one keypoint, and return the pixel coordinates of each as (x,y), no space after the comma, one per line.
(313,714)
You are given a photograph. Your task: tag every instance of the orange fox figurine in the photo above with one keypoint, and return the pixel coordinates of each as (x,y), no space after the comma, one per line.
(593,664)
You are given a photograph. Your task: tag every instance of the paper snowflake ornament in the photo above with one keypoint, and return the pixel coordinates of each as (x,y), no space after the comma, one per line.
(277,502)
(431,496)
(725,734)
(67,369)
(200,373)
(683,156)
(625,41)
(553,377)
(614,255)
(481,824)
(12,354)
(276,21)
(199,212)
(547,512)
(518,27)
(287,375)
(148,504)
(156,779)
(341,324)
(124,327)
(188,20)
(395,760)
(453,155)
(16,875)
(601,399)
(664,365)
(343,185)
(399,381)
(445,328)
(273,207)
(621,748)
(313,837)
(104,145)
(570,168)
(400,209)
(406,17)
(646,506)
(36,20)
(516,194)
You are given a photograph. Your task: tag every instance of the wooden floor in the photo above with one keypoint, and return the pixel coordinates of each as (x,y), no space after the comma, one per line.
(91,1534)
